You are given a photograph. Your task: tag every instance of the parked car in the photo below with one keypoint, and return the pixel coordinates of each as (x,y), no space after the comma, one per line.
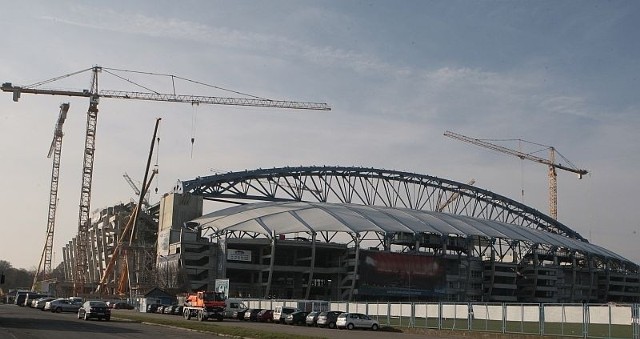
(252,314)
(312,318)
(40,303)
(61,305)
(121,305)
(152,308)
(265,316)
(328,319)
(30,297)
(281,312)
(76,300)
(20,297)
(296,318)
(178,310)
(239,314)
(94,309)
(356,320)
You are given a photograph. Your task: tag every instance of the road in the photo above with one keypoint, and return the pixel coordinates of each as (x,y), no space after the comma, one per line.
(27,323)
(302,330)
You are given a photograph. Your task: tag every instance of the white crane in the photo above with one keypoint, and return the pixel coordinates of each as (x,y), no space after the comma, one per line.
(95,94)
(44,267)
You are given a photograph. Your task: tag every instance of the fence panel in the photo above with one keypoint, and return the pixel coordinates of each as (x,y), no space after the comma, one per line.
(569,320)
(400,315)
(381,312)
(610,321)
(455,316)
(522,318)
(563,319)
(344,307)
(486,317)
(427,315)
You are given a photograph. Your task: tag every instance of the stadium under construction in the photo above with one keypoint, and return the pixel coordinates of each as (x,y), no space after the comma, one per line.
(350,233)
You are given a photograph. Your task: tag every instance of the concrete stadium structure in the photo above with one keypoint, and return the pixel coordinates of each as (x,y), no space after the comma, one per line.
(348,233)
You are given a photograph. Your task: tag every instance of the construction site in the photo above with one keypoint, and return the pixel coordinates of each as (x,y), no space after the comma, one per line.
(322,232)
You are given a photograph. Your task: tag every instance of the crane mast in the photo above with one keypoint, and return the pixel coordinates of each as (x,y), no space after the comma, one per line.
(94,94)
(55,150)
(551,163)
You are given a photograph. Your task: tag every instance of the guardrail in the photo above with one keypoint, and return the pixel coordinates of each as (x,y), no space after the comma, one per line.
(616,321)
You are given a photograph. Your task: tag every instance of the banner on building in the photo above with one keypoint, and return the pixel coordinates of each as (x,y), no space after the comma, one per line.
(238,255)
(400,274)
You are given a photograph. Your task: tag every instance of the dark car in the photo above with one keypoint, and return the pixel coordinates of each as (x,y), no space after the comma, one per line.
(265,316)
(328,319)
(312,318)
(94,309)
(239,314)
(296,318)
(252,314)
(122,306)
(177,310)
(152,308)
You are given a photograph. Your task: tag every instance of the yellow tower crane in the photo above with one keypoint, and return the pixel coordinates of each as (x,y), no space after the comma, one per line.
(94,94)
(44,267)
(551,163)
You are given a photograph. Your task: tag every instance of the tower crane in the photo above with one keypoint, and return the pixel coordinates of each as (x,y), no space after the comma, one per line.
(44,267)
(551,163)
(94,94)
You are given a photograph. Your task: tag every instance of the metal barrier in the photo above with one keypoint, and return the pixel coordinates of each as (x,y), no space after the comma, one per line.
(616,321)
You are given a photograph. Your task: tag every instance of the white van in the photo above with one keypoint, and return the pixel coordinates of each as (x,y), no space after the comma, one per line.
(233,305)
(280,312)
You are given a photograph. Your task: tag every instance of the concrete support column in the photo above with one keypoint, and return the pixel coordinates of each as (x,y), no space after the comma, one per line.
(267,291)
(313,264)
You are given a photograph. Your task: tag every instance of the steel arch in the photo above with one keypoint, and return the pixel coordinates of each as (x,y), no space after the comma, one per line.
(369,186)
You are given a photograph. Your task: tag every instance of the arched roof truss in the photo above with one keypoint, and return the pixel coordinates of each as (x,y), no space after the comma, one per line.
(369,186)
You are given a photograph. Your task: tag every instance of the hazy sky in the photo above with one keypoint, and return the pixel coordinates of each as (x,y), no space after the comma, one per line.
(396,74)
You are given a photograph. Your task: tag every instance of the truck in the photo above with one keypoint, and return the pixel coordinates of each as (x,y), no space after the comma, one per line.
(204,305)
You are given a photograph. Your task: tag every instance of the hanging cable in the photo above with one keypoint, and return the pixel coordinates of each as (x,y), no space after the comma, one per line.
(193,125)
(521,172)
(156,167)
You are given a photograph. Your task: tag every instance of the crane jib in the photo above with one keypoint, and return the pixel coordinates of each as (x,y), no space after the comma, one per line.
(8,87)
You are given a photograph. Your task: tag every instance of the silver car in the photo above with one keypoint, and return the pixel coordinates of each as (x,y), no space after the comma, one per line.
(40,303)
(356,320)
(61,305)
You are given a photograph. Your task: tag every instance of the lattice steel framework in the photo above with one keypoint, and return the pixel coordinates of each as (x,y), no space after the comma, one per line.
(369,186)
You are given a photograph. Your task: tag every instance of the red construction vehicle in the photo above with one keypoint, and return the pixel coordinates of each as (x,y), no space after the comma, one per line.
(204,305)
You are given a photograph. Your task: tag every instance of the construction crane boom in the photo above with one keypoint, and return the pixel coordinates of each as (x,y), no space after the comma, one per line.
(551,163)
(128,179)
(136,190)
(55,150)
(182,98)
(94,94)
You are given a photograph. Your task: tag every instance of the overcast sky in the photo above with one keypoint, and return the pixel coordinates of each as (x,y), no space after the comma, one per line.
(396,74)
